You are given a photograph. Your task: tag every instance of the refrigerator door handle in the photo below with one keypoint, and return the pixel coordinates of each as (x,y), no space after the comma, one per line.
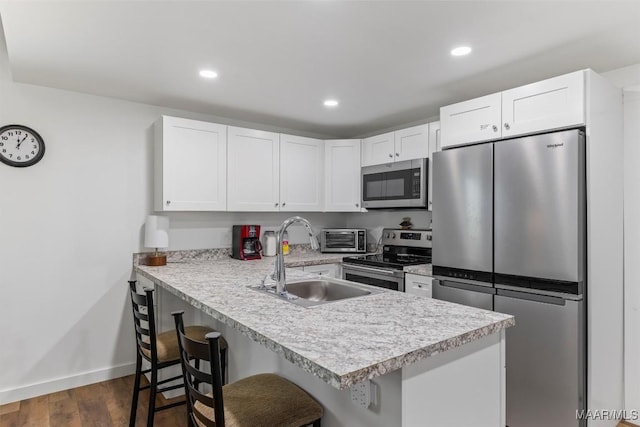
(528,291)
(531,297)
(484,288)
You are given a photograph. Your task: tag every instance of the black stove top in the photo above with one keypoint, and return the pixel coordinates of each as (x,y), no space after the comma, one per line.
(389,260)
(401,248)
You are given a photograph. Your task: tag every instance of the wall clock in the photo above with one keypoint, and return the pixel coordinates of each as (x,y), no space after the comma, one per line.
(20,146)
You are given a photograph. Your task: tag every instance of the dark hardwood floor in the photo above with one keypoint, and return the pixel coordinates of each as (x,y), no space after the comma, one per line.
(102,404)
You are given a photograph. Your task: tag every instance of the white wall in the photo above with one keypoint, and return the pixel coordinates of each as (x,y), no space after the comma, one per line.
(629,79)
(68,228)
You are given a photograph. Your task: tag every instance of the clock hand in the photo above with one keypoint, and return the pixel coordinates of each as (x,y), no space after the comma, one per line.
(25,137)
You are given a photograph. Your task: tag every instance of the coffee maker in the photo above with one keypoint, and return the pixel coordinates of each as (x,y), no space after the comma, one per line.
(246,242)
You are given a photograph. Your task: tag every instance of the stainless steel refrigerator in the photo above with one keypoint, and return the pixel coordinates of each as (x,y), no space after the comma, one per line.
(509,230)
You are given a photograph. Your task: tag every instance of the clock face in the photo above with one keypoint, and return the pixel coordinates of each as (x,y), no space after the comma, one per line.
(20,146)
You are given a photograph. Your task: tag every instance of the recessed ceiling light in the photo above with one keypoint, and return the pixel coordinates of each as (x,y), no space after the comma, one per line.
(330,103)
(209,74)
(461,51)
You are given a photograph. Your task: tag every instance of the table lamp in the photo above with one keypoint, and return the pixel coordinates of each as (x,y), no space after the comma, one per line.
(156,235)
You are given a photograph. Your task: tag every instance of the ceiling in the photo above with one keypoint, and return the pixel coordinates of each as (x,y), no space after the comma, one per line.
(387,62)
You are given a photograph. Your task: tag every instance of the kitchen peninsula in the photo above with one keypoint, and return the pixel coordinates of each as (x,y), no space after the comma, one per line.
(432,362)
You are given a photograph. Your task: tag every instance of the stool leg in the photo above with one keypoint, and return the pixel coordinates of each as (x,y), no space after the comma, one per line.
(317,423)
(223,367)
(152,395)
(136,391)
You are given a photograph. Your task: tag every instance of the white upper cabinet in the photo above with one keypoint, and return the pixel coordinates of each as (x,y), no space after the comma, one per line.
(549,104)
(434,146)
(378,149)
(546,105)
(471,121)
(342,175)
(301,173)
(411,143)
(404,144)
(190,165)
(253,159)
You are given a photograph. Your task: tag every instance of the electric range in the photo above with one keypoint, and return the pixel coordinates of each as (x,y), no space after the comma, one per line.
(400,248)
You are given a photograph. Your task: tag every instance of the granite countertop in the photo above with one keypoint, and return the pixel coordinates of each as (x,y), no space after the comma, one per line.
(343,342)
(421,269)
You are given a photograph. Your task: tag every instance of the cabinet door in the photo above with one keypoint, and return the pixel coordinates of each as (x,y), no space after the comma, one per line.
(416,284)
(434,147)
(253,170)
(301,173)
(190,165)
(412,143)
(378,149)
(471,121)
(546,105)
(342,177)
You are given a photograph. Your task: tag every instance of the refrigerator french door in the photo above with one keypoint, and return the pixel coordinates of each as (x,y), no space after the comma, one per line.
(463,218)
(513,213)
(545,359)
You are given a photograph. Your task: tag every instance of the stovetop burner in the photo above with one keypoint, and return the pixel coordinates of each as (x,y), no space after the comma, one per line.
(395,261)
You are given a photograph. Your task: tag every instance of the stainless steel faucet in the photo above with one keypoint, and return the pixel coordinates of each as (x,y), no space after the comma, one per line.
(279,274)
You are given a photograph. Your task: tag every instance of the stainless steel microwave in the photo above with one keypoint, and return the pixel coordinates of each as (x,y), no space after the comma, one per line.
(395,185)
(351,240)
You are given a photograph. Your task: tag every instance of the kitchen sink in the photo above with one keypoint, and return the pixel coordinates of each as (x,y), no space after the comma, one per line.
(313,292)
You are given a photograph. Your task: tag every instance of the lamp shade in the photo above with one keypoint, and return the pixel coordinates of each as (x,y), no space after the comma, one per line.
(156,232)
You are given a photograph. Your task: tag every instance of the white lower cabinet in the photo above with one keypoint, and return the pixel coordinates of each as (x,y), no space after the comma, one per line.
(342,180)
(333,271)
(253,162)
(416,284)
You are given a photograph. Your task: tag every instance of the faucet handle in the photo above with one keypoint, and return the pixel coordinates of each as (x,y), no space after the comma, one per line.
(264,280)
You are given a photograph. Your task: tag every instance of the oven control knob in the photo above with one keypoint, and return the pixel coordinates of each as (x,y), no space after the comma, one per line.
(429,237)
(393,235)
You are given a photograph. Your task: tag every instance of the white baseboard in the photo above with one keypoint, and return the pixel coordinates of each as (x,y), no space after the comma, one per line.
(59,384)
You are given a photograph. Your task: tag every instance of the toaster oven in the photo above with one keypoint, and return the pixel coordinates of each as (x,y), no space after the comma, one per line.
(343,240)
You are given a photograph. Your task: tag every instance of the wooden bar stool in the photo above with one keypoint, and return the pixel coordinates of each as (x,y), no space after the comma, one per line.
(264,400)
(160,350)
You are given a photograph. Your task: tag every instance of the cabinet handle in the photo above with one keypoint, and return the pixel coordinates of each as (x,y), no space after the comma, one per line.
(506,126)
(390,155)
(397,155)
(283,203)
(495,128)
(276,205)
(168,202)
(357,205)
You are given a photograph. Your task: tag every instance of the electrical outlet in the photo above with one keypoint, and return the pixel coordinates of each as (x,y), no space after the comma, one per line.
(364,394)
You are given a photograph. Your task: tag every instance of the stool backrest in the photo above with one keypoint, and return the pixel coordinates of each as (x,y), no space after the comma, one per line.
(191,353)
(144,322)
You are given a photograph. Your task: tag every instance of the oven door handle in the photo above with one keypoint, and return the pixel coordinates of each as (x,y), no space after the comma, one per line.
(386,272)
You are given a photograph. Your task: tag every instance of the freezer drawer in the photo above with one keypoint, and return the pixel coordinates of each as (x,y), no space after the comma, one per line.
(463,293)
(463,208)
(545,355)
(540,207)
